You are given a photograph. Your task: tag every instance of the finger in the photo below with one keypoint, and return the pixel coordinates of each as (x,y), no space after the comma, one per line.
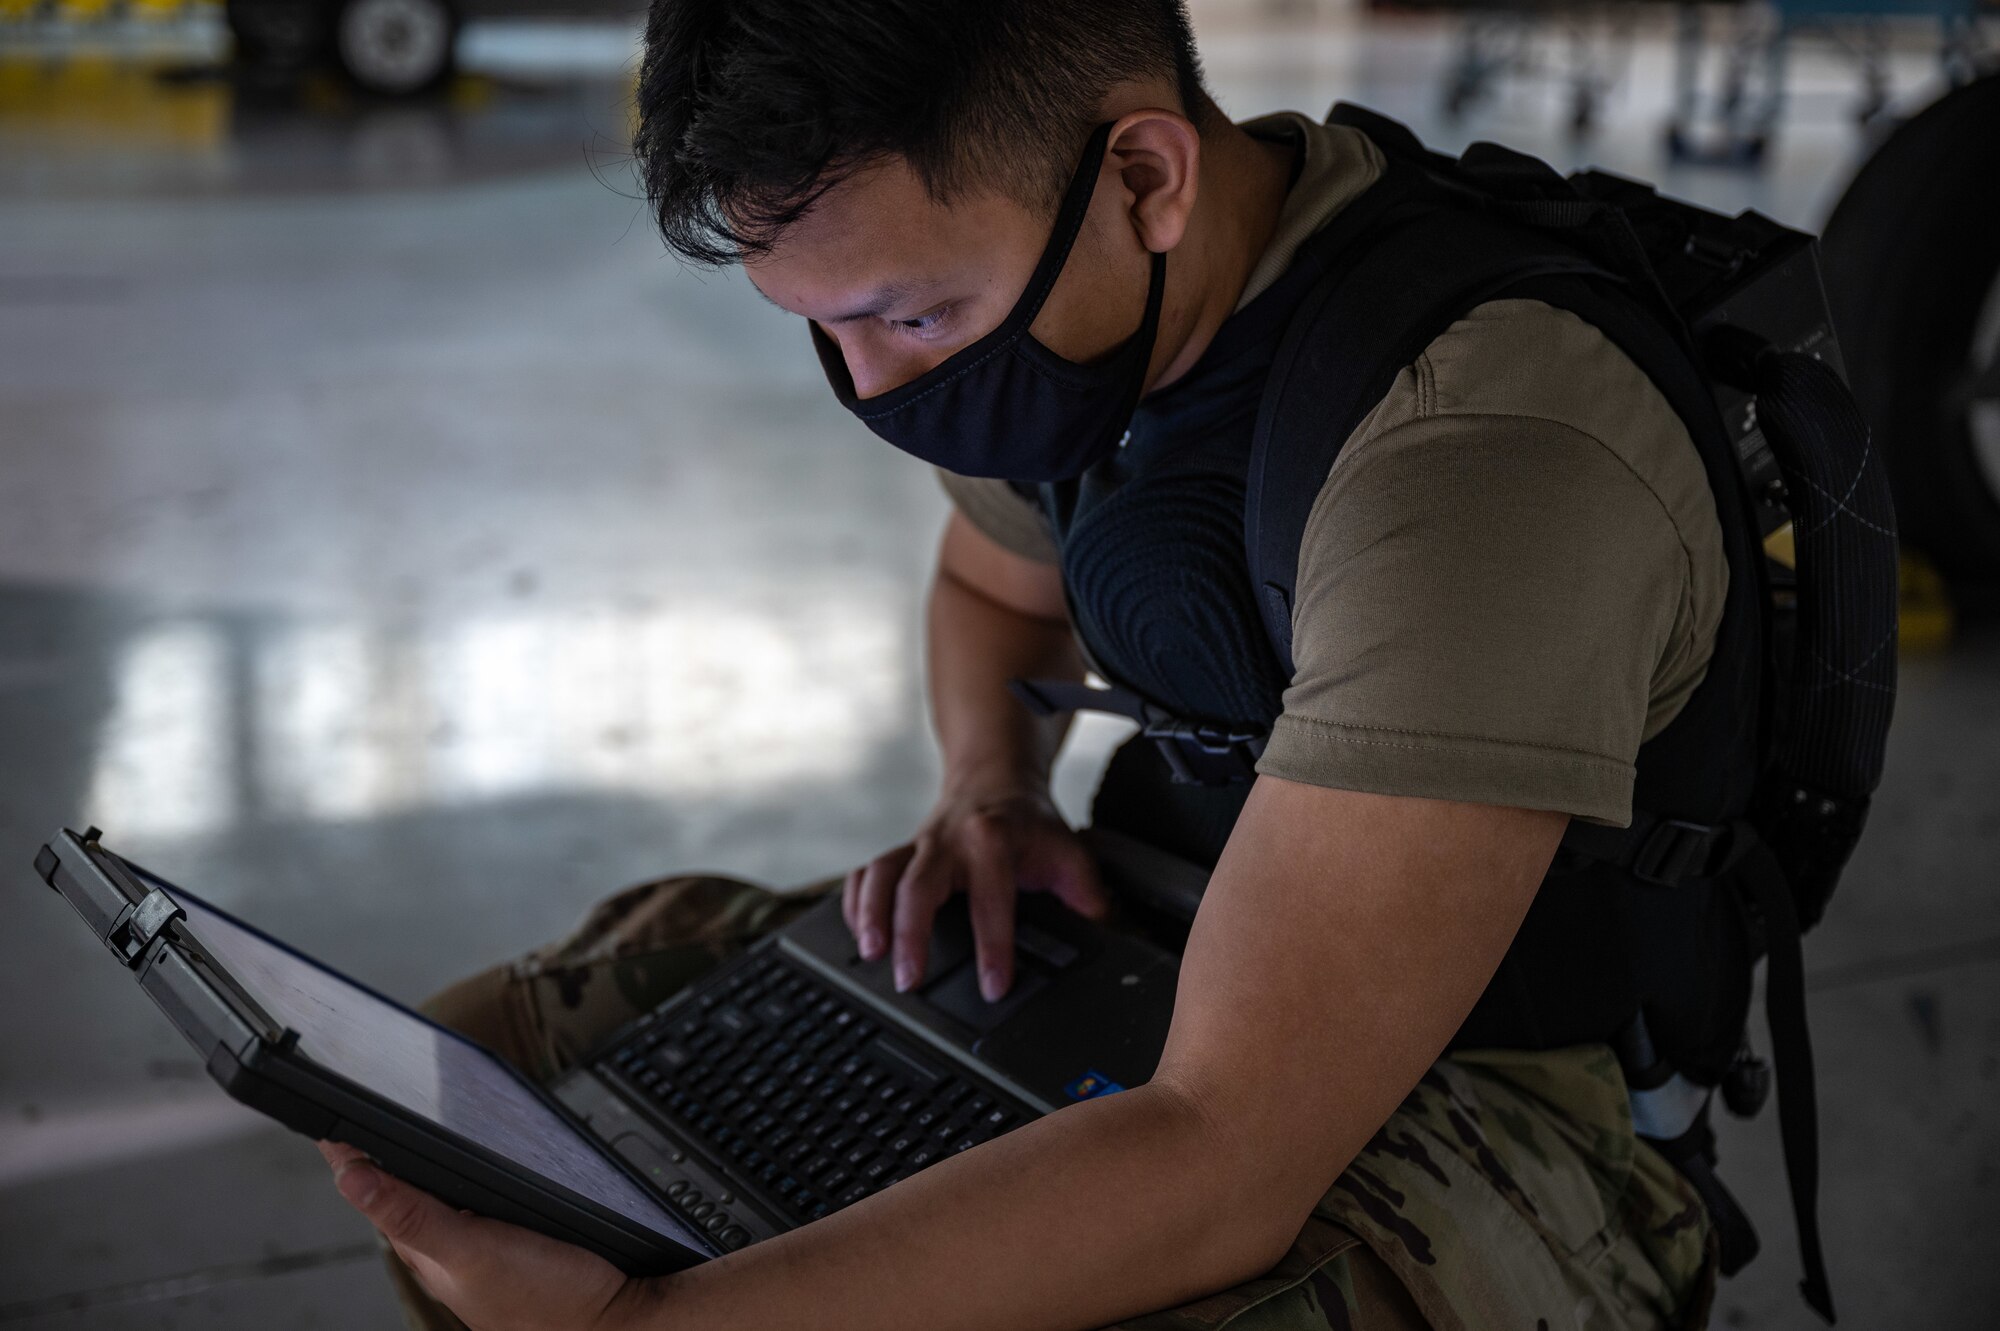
(408,1217)
(877,895)
(339,1154)
(1075,882)
(924,886)
(850,889)
(989,863)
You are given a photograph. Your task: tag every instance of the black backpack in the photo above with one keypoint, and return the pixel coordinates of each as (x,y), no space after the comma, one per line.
(1749,803)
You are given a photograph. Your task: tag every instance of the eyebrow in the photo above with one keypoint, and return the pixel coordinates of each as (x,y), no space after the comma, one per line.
(882,299)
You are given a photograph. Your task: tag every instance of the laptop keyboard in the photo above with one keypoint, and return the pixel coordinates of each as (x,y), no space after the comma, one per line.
(798,1091)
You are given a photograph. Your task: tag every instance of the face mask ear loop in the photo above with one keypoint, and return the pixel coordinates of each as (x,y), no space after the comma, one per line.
(1062,237)
(1149,330)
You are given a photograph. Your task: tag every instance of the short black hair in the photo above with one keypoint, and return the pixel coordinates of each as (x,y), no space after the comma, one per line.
(749,110)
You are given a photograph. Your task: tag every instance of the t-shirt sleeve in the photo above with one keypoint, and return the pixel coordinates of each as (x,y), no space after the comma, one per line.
(1009,518)
(1484,602)
(1511,579)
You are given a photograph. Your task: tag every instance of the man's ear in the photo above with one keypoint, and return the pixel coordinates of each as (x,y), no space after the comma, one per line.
(1157,153)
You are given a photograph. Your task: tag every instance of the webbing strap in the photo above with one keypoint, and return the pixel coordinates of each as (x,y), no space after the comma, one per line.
(1791,1052)
(1662,851)
(1196,753)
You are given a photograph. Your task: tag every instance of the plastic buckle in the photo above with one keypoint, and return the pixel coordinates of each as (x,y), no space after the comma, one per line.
(1673,852)
(1205,755)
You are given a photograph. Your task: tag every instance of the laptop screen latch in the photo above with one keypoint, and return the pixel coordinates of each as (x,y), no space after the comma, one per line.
(138,927)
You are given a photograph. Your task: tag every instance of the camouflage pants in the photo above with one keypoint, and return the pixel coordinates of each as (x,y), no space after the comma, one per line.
(1507,1191)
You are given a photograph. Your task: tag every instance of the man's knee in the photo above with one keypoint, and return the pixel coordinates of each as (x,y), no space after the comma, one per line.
(478,1007)
(631,952)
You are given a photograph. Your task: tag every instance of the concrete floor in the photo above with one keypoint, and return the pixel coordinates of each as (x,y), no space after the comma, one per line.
(397,549)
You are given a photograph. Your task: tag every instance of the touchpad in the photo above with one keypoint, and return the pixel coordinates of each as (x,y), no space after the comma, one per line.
(956,994)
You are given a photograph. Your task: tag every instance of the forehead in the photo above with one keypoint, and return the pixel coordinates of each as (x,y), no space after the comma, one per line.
(880,229)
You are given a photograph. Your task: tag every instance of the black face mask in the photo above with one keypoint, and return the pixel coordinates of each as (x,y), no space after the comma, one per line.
(1007,406)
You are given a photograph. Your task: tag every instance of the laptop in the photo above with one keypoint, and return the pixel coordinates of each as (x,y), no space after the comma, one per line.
(784,1085)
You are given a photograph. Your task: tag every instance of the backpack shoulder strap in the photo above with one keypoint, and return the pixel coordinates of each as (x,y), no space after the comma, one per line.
(1384,296)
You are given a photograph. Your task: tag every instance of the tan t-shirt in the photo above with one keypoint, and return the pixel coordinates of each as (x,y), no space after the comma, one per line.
(1514,572)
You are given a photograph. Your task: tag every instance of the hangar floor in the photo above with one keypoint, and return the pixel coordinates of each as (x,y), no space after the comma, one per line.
(401,552)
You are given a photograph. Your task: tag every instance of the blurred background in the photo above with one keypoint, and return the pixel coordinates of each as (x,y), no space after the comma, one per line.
(400,550)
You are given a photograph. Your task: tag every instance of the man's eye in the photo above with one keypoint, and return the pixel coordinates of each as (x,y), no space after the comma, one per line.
(924,323)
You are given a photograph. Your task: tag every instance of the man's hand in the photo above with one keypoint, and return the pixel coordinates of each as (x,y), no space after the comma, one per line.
(986,845)
(496,1277)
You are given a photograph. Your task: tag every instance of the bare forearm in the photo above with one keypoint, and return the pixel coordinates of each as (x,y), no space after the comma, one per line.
(976,645)
(1105,1210)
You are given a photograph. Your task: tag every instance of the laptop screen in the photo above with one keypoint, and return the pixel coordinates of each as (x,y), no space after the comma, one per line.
(406,1060)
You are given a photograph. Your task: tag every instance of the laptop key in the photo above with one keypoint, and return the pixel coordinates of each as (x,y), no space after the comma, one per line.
(836,1179)
(672,1057)
(853,1195)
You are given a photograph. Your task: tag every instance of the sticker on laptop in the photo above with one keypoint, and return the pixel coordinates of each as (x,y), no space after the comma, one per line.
(1091,1085)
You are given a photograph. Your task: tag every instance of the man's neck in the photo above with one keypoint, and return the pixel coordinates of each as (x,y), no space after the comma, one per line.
(1244,181)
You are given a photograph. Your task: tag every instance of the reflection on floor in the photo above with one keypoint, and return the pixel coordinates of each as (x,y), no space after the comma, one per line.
(399,550)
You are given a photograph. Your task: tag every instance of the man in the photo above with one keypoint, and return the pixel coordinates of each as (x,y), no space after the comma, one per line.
(1008,224)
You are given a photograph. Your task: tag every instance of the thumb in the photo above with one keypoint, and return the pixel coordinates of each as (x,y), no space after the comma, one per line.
(407,1217)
